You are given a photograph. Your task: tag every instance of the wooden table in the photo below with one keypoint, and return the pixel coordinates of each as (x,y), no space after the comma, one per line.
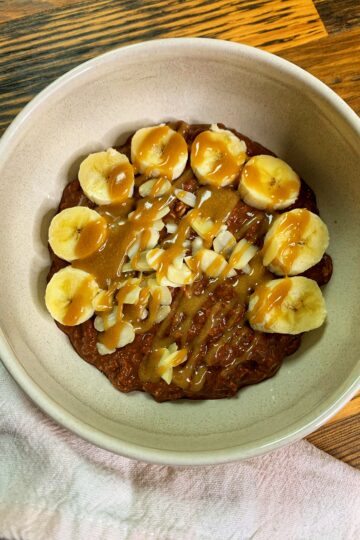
(42,39)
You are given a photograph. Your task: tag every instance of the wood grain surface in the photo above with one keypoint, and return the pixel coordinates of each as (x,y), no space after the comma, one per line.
(42,39)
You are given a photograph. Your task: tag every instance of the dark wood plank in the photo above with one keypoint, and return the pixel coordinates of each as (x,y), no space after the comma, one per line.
(36,50)
(340,439)
(13,9)
(339,15)
(336,61)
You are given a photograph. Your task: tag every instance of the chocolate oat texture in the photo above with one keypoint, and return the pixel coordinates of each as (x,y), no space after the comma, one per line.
(187,262)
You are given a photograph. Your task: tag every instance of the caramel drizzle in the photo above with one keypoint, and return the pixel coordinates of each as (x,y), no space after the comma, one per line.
(183,375)
(192,375)
(82,297)
(121,182)
(91,238)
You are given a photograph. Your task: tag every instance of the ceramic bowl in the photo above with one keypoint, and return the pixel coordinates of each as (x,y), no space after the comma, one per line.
(96,105)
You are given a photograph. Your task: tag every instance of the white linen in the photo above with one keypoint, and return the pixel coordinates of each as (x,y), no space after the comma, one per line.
(55,486)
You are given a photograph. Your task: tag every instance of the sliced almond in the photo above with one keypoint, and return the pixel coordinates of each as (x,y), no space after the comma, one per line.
(152,237)
(162,313)
(170,359)
(196,245)
(132,297)
(153,257)
(180,276)
(126,267)
(242,254)
(158,225)
(171,227)
(104,300)
(213,264)
(133,249)
(127,334)
(164,292)
(186,197)
(140,262)
(155,188)
(203,226)
(224,243)
(105,320)
(136,215)
(99,324)
(103,350)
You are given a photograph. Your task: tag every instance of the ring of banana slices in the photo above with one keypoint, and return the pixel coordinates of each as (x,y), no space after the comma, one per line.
(127,254)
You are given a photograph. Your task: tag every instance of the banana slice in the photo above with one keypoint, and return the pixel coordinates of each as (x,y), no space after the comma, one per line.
(107,177)
(69,296)
(287,306)
(217,156)
(77,232)
(159,151)
(295,242)
(268,183)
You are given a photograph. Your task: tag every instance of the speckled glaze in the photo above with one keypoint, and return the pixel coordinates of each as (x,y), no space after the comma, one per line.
(97,105)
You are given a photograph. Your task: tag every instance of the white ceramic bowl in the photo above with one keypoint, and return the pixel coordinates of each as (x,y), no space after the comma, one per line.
(94,106)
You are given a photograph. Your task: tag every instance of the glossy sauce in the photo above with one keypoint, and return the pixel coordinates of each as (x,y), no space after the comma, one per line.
(121,182)
(91,238)
(79,302)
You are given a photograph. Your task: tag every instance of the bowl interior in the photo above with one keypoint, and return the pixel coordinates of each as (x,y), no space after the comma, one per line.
(96,107)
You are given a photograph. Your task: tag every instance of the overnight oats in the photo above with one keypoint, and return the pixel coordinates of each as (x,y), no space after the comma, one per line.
(188,262)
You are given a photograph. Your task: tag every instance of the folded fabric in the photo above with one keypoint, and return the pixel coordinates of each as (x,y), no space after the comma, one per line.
(54,485)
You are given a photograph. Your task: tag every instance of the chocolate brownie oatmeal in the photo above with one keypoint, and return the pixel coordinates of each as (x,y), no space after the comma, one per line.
(187,262)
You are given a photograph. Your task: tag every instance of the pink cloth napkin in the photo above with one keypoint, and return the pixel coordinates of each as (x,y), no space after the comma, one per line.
(55,486)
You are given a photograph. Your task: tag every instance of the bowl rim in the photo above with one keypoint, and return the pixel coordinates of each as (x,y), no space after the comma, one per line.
(49,405)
